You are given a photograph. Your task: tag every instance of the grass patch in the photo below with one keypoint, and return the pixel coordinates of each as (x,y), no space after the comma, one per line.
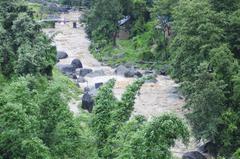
(143,50)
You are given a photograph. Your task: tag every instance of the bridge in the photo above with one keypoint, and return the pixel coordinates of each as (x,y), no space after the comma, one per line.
(59,20)
(52,21)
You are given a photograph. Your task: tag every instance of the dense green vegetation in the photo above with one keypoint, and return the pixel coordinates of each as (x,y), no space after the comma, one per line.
(200,42)
(35,121)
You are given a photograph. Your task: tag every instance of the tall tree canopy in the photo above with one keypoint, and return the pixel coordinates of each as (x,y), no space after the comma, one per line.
(103,20)
(24,48)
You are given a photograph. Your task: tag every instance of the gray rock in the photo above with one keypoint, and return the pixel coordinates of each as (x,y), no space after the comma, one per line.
(74,76)
(96,73)
(193,155)
(121,70)
(81,80)
(77,63)
(98,85)
(61,55)
(66,69)
(138,74)
(209,148)
(130,72)
(86,89)
(91,90)
(163,71)
(87,102)
(84,71)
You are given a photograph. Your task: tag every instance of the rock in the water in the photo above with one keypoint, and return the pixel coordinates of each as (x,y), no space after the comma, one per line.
(193,155)
(61,55)
(84,71)
(127,71)
(67,69)
(163,71)
(81,80)
(130,73)
(209,148)
(77,63)
(121,70)
(87,102)
(86,89)
(98,85)
(138,74)
(74,76)
(91,90)
(96,73)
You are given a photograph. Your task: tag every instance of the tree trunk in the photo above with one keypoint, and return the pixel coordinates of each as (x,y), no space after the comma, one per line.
(115,39)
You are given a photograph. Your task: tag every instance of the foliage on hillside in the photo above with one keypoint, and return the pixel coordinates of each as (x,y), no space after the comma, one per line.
(35,120)
(24,49)
(203,51)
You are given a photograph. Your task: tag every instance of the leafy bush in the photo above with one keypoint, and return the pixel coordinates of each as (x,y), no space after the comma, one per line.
(118,136)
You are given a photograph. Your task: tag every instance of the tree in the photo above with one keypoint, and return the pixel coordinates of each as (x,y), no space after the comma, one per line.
(141,139)
(110,114)
(19,122)
(164,7)
(25,49)
(225,6)
(195,36)
(37,123)
(232,31)
(102,21)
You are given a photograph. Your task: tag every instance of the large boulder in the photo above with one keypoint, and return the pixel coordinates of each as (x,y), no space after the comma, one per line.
(138,74)
(91,90)
(96,73)
(84,71)
(74,76)
(67,69)
(87,102)
(209,148)
(98,85)
(193,155)
(121,70)
(61,55)
(77,63)
(127,71)
(130,72)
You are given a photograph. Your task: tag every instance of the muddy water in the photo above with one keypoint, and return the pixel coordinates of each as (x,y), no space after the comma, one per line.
(154,98)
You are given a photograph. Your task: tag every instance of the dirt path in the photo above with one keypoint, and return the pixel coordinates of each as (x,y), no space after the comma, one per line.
(154,98)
